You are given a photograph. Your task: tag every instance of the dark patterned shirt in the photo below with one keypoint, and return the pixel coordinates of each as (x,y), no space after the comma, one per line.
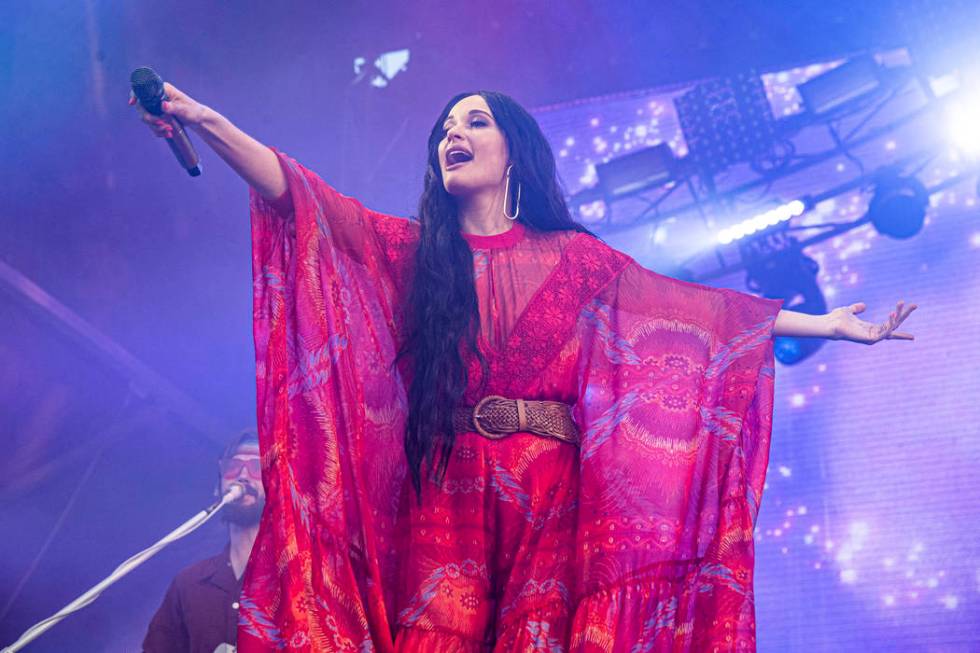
(199,612)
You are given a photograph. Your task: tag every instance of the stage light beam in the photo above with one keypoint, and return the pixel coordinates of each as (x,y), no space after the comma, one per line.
(762,221)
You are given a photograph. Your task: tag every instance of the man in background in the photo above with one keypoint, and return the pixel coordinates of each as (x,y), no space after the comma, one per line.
(199,613)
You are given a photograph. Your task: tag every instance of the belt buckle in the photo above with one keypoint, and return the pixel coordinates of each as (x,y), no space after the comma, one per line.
(476,417)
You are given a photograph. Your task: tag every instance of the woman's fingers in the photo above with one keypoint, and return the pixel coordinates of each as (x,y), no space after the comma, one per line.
(177,107)
(897,317)
(858,330)
(172,91)
(903,312)
(180,105)
(901,335)
(160,125)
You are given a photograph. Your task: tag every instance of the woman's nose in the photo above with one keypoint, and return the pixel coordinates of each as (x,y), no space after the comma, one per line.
(453,133)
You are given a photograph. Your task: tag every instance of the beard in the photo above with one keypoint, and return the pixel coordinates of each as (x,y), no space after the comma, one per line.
(244,514)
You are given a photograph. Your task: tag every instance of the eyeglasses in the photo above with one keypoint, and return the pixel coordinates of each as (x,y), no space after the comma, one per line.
(232,467)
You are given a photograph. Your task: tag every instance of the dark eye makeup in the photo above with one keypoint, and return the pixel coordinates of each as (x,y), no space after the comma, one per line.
(476,121)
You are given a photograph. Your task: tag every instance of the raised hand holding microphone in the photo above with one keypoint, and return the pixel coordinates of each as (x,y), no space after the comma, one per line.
(166,109)
(254,162)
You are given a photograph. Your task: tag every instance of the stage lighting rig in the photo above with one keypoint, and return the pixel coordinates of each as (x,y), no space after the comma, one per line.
(898,206)
(633,173)
(777,268)
(842,87)
(762,221)
(726,121)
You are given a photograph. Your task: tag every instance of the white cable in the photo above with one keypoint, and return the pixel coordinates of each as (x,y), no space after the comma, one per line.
(234,493)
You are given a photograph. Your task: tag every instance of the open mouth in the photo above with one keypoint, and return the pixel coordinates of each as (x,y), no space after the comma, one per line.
(456,157)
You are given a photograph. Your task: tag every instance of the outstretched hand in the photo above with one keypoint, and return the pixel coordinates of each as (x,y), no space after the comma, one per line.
(178,104)
(847,326)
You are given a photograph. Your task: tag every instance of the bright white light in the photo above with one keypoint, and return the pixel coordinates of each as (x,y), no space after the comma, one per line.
(944,85)
(392,63)
(961,124)
(762,221)
(859,530)
(386,66)
(950,601)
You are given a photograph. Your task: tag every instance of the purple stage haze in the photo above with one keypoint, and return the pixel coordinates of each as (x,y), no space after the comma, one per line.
(869,533)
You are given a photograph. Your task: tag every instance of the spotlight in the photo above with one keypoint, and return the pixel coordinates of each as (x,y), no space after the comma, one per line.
(961,122)
(898,206)
(841,86)
(778,269)
(635,172)
(726,121)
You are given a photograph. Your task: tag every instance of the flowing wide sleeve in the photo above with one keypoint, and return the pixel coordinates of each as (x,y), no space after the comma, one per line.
(328,275)
(675,402)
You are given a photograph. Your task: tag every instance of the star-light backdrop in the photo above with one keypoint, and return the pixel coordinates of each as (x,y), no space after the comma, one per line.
(869,533)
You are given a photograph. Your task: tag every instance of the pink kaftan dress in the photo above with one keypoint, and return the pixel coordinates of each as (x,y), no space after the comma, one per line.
(639,539)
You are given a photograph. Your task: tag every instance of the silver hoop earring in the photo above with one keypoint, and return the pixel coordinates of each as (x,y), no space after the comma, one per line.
(517,205)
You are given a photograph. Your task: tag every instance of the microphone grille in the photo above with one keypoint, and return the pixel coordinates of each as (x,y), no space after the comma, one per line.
(148,89)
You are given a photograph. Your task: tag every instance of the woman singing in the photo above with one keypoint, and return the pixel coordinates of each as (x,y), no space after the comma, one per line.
(486,430)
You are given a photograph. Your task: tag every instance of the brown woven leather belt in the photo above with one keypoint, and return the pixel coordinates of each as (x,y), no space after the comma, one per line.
(496,417)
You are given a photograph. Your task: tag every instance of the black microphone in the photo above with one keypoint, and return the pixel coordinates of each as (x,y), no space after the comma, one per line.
(148,89)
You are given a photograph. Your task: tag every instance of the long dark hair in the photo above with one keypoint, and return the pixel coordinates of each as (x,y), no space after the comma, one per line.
(442,313)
